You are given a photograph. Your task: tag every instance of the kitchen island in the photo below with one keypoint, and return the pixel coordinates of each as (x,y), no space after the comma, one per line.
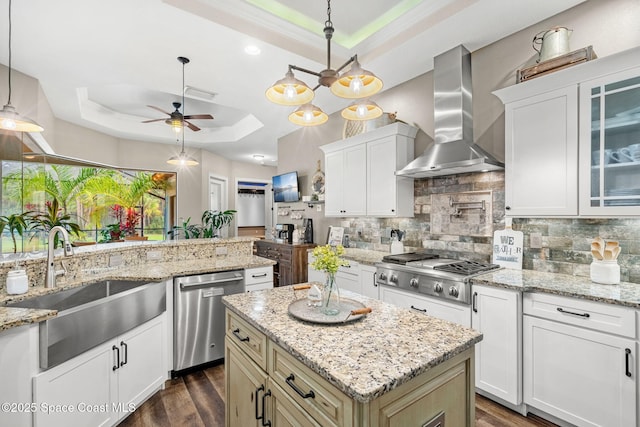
(391,367)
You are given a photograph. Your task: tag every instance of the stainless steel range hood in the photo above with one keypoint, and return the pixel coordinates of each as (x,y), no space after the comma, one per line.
(453,150)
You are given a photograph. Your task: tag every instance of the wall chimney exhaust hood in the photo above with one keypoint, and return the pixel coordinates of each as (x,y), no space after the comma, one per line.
(453,150)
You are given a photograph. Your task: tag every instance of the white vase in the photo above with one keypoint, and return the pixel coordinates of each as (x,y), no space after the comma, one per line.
(605,272)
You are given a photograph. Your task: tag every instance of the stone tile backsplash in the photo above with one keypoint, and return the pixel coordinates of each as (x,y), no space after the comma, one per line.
(565,242)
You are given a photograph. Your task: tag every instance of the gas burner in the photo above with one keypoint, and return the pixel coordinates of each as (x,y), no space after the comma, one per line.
(466,268)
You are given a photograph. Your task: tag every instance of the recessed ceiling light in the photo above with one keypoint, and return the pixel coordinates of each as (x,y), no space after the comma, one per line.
(252,50)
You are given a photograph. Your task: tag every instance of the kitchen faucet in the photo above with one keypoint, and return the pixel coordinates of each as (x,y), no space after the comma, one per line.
(52,273)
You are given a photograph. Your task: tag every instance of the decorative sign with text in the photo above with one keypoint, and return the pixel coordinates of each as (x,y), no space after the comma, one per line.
(507,248)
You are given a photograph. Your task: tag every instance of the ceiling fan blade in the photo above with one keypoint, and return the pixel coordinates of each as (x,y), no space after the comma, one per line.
(151,121)
(159,109)
(192,126)
(198,116)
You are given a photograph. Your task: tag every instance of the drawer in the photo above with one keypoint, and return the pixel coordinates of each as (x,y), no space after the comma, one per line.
(327,405)
(587,314)
(248,338)
(258,275)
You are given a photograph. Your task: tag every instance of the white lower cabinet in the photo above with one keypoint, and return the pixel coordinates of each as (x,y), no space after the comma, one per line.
(574,370)
(368,281)
(18,363)
(105,384)
(456,313)
(497,313)
(258,278)
(348,277)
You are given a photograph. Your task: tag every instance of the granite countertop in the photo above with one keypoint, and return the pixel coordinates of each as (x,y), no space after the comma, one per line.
(364,256)
(364,358)
(626,294)
(153,272)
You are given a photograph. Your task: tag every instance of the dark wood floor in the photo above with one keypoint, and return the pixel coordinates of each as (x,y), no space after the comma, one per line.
(197,399)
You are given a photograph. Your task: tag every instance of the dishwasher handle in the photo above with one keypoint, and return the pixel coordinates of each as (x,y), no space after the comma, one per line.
(209,284)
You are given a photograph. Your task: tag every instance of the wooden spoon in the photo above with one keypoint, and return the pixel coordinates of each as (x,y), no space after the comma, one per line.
(608,254)
(616,252)
(596,254)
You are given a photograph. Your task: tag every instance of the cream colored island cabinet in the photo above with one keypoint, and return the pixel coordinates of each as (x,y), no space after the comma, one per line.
(571,141)
(417,382)
(360,175)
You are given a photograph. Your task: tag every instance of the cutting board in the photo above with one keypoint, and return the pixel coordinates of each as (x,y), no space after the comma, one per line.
(507,248)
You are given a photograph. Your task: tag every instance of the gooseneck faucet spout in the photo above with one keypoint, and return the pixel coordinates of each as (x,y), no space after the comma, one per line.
(52,273)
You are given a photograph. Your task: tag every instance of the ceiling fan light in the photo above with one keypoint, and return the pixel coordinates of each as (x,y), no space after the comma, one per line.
(356,83)
(308,115)
(290,91)
(362,110)
(11,120)
(176,124)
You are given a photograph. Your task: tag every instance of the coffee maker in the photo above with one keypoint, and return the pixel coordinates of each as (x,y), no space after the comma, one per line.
(307,225)
(284,233)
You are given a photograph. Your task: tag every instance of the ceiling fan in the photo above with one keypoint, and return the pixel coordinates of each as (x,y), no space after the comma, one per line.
(177,119)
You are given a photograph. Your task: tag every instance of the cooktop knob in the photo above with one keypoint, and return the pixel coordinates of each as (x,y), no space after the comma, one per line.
(383,276)
(437,287)
(393,278)
(453,291)
(413,282)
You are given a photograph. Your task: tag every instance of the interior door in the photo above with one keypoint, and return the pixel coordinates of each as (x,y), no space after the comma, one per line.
(218,197)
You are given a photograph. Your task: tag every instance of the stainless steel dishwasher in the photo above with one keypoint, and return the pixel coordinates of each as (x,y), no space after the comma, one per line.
(199,328)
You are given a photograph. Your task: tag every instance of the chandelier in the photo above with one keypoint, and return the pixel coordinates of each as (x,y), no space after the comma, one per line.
(356,83)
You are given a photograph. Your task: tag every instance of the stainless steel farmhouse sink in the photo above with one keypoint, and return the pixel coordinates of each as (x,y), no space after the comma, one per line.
(92,314)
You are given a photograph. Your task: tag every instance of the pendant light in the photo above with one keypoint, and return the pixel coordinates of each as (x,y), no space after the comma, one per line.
(9,117)
(182,159)
(362,110)
(353,84)
(308,115)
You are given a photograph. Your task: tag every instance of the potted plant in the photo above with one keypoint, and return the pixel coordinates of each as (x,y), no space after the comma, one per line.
(51,217)
(213,221)
(16,223)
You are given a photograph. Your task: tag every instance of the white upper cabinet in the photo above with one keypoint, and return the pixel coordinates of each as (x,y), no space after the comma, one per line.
(573,141)
(541,152)
(360,173)
(345,182)
(610,144)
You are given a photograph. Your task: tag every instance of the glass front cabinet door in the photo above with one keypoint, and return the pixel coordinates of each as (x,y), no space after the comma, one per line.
(610,144)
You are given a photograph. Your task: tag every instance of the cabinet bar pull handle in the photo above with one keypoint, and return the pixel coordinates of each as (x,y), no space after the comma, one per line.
(424,310)
(302,394)
(627,363)
(267,423)
(473,302)
(259,275)
(117,349)
(236,332)
(258,390)
(561,310)
(375,278)
(126,353)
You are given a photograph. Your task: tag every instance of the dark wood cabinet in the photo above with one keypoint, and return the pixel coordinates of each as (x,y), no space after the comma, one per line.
(291,260)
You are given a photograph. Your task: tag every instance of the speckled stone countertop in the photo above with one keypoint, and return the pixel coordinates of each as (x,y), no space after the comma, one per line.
(627,294)
(364,256)
(11,317)
(364,358)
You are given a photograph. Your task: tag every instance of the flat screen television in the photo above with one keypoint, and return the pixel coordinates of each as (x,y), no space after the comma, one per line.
(285,187)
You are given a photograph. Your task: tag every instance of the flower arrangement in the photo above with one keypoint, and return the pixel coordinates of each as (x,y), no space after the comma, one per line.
(327,258)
